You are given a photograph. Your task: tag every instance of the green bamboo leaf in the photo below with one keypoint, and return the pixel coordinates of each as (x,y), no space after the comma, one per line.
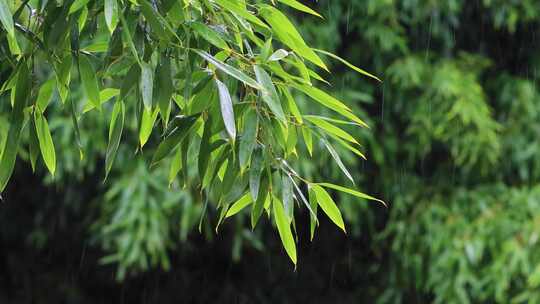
(227,111)
(11,145)
(146,84)
(249,137)
(147,125)
(232,71)
(6,18)
(278,55)
(308,139)
(33,144)
(336,157)
(155,20)
(330,102)
(89,80)
(350,65)
(180,130)
(287,196)
(258,206)
(301,7)
(209,35)
(313,222)
(204,148)
(77,5)
(269,95)
(111,14)
(328,206)
(104,96)
(45,94)
(126,36)
(165,88)
(176,166)
(287,33)
(284,229)
(330,128)
(239,205)
(241,11)
(293,108)
(352,192)
(115,133)
(46,144)
(63,76)
(255,172)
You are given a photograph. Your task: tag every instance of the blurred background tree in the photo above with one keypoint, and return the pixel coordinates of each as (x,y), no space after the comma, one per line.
(452,146)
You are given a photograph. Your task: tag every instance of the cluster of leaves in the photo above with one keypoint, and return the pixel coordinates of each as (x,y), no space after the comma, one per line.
(210,77)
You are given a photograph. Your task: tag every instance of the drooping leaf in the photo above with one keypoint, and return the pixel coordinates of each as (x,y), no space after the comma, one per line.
(258,205)
(350,65)
(179,131)
(11,146)
(146,84)
(240,204)
(6,18)
(284,229)
(45,94)
(227,111)
(115,133)
(46,144)
(111,14)
(89,80)
(352,192)
(249,137)
(328,206)
(147,125)
(312,216)
(269,94)
(255,173)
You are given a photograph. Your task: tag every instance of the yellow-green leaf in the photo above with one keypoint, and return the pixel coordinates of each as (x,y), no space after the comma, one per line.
(284,229)
(352,192)
(328,206)
(46,144)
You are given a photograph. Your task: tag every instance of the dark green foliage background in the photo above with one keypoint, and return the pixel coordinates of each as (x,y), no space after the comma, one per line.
(453,147)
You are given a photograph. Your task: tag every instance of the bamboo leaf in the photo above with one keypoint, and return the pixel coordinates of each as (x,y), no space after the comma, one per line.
(301,7)
(284,229)
(269,95)
(239,205)
(115,133)
(89,80)
(227,112)
(111,14)
(328,206)
(179,131)
(232,71)
(146,84)
(209,35)
(7,18)
(249,137)
(352,192)
(330,128)
(11,145)
(46,144)
(350,65)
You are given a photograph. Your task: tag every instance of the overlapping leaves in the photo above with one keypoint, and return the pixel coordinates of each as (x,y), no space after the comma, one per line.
(219,76)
